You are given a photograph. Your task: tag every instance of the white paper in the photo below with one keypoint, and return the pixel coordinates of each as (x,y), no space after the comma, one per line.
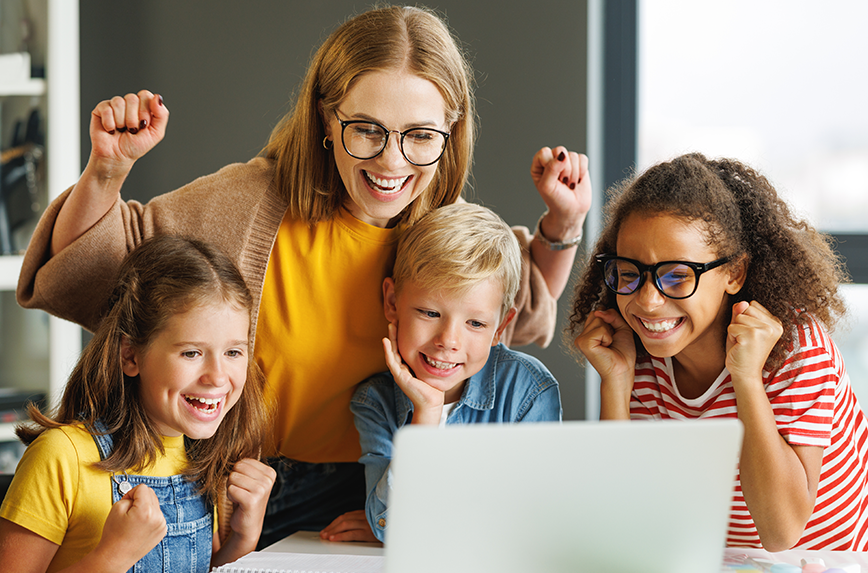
(304,563)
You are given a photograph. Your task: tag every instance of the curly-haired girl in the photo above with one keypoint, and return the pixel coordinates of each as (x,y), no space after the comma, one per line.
(748,340)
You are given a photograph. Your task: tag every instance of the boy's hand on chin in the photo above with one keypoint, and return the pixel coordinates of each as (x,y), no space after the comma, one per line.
(427,400)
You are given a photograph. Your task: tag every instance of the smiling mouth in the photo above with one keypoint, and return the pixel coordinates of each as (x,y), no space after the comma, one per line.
(661,326)
(386,186)
(439,365)
(204,404)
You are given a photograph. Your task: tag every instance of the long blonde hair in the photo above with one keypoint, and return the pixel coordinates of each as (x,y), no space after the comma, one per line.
(387,38)
(162,277)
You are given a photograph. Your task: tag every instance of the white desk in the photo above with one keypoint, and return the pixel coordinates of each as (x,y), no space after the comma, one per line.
(305,551)
(735,558)
(309,542)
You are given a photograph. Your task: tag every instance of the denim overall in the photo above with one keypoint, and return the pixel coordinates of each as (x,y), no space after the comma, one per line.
(188,543)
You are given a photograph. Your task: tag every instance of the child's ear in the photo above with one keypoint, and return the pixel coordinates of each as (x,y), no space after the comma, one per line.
(129,358)
(737,276)
(390,300)
(507,319)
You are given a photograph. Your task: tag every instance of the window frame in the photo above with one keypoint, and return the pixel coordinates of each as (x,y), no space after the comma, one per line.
(614,97)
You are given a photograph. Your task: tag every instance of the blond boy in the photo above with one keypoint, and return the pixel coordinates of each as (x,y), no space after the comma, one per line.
(448,302)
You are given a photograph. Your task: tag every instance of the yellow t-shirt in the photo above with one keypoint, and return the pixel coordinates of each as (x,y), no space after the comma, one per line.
(59,495)
(320,329)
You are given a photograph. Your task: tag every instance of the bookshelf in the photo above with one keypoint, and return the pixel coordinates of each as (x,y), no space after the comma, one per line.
(39,350)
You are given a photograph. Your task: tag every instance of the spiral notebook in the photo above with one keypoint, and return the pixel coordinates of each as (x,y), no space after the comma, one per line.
(303,563)
(305,552)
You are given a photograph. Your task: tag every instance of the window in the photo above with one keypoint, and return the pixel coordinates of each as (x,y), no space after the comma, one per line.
(781,86)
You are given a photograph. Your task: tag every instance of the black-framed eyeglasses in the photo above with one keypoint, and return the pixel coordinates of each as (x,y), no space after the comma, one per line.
(420,146)
(674,279)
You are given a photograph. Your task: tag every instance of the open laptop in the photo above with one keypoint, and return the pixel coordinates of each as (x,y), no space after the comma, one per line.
(545,498)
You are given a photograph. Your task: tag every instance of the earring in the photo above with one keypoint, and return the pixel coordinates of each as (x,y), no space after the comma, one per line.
(325,142)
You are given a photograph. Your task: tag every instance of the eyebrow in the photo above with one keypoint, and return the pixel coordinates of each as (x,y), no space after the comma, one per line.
(238,342)
(366,117)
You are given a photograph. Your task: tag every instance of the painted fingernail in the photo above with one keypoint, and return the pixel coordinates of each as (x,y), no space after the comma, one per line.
(562,156)
(160,99)
(134,130)
(572,185)
(566,180)
(122,129)
(143,124)
(112,132)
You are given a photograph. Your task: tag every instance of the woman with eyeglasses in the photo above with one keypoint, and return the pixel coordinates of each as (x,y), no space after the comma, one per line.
(382,132)
(705,297)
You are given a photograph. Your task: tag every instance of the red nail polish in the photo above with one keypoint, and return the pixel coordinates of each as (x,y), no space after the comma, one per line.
(143,124)
(562,156)
(566,180)
(122,129)
(112,132)
(572,185)
(134,130)
(160,99)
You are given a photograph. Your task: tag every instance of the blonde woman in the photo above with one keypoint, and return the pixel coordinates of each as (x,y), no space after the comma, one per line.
(381,133)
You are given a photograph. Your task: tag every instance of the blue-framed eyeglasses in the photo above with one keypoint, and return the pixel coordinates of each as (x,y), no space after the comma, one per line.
(674,279)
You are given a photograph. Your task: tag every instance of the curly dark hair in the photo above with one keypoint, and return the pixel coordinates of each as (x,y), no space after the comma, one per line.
(793,270)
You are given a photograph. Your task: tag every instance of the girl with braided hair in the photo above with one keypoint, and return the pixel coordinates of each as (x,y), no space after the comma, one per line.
(749,340)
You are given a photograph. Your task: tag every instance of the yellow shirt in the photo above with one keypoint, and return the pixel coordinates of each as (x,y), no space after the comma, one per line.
(320,329)
(59,495)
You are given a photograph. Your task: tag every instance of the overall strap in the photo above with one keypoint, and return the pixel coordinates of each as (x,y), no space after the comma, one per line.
(103,439)
(189,535)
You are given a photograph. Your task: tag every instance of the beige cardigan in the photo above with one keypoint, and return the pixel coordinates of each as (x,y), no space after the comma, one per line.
(239,210)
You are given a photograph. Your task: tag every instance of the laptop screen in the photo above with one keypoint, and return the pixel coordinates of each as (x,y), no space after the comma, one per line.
(577,496)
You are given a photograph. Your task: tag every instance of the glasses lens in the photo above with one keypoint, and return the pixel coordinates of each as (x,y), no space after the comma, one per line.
(621,276)
(420,146)
(364,140)
(677,281)
(423,146)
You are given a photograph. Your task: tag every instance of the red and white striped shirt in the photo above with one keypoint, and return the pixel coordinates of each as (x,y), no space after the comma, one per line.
(813,405)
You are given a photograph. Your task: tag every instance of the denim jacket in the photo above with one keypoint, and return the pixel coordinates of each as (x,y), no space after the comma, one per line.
(511,387)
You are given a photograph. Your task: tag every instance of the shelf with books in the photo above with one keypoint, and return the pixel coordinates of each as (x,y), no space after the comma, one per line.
(40,350)
(10,268)
(31,87)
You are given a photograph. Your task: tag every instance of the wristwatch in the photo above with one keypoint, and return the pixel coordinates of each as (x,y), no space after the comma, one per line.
(554,245)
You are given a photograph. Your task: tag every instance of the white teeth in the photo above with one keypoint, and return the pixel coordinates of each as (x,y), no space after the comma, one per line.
(661,326)
(440,365)
(209,402)
(387,185)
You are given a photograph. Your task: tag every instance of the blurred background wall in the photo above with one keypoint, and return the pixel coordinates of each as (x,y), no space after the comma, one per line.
(227,71)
